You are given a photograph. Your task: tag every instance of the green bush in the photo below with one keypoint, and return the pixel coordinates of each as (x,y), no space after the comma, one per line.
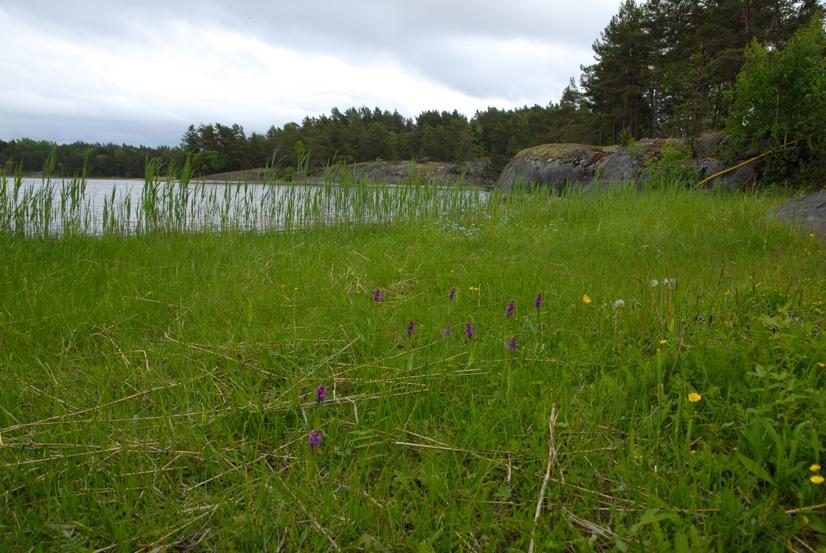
(673,164)
(780,104)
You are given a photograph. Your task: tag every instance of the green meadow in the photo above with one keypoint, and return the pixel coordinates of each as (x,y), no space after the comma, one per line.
(159,390)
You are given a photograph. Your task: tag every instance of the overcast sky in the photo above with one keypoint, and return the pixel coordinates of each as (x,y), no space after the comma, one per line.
(141,71)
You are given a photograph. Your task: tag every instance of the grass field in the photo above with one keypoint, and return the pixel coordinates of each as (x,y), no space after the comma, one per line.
(162,389)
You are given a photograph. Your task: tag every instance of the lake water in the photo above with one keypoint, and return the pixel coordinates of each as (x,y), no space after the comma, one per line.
(96,206)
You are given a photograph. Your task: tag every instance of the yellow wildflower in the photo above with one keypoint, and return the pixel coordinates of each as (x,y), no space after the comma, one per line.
(822,365)
(817,480)
(694,397)
(663,341)
(815,468)
(586,299)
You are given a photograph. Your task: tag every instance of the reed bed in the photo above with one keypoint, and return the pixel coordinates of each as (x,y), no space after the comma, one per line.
(177,203)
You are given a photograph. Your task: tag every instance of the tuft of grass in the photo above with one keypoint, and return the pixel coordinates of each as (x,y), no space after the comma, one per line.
(157,389)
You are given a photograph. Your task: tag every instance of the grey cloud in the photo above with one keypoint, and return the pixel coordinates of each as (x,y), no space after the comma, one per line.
(385,22)
(522,52)
(417,34)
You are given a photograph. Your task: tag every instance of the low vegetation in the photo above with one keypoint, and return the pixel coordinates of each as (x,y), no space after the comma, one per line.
(628,370)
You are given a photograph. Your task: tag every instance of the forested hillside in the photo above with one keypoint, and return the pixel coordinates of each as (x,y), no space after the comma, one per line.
(661,68)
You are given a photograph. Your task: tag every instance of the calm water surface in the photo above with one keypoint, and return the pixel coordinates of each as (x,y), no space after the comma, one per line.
(126,206)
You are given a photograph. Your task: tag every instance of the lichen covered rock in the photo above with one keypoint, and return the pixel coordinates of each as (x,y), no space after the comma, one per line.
(586,166)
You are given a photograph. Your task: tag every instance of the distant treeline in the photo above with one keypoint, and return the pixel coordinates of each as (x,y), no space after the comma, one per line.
(663,68)
(352,135)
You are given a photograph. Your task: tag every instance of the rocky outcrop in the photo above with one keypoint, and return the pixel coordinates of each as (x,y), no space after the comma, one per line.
(807,212)
(580,165)
(475,172)
(556,165)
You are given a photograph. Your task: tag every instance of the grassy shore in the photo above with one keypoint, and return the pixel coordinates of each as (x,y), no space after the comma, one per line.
(162,389)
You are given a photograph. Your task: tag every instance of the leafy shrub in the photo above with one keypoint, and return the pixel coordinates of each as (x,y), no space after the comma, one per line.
(673,164)
(780,101)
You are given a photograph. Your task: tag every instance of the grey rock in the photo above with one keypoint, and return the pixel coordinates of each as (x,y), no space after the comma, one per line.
(741,178)
(473,172)
(807,212)
(618,166)
(555,165)
(706,167)
(734,180)
(580,165)
(708,145)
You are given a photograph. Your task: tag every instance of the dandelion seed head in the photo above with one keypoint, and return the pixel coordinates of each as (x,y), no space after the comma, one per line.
(619,304)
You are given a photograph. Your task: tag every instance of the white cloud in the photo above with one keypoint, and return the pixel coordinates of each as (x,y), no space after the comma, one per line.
(173,69)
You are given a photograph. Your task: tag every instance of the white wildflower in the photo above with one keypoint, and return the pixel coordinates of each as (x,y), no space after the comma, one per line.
(619,304)
(655,283)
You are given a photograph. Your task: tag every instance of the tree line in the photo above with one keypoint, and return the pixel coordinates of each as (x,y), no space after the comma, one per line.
(668,67)
(662,68)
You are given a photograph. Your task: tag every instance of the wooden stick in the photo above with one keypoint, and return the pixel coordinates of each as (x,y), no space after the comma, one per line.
(548,469)
(744,163)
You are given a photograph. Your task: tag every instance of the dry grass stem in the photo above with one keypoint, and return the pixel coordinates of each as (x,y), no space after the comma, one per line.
(548,468)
